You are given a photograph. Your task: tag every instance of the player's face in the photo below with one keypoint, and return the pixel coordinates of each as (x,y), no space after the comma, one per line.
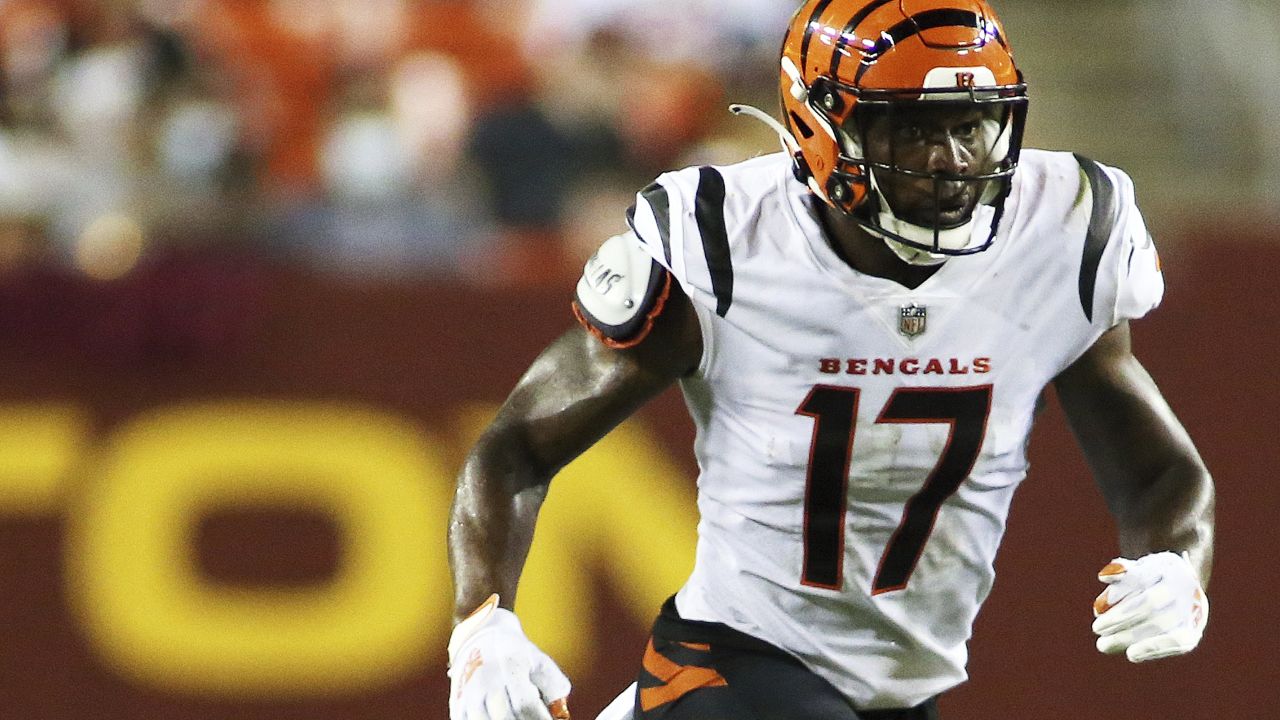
(932,143)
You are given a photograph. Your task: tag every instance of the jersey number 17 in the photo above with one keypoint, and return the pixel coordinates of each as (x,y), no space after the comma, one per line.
(834,411)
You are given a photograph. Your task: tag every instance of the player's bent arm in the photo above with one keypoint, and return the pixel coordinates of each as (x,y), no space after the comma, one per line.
(1154,604)
(574,393)
(1149,471)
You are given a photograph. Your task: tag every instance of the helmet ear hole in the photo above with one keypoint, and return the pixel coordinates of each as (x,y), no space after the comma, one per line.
(805,131)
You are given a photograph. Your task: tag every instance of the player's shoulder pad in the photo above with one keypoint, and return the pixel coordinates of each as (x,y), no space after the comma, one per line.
(621,291)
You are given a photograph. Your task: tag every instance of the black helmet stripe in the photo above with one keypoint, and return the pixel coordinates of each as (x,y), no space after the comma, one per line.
(808,32)
(842,42)
(917,24)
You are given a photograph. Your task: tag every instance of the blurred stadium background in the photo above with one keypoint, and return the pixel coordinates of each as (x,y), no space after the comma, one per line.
(267,265)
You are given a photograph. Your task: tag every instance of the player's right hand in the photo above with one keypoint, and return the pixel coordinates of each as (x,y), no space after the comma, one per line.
(496,673)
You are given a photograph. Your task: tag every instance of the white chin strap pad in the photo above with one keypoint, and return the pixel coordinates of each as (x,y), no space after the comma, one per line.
(957,238)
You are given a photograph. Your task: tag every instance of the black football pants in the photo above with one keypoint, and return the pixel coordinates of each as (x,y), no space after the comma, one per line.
(707,671)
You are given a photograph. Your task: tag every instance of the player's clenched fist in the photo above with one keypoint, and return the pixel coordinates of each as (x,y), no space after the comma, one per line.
(495,673)
(1152,607)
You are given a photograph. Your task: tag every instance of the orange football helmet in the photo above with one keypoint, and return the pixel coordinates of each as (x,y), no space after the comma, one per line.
(840,56)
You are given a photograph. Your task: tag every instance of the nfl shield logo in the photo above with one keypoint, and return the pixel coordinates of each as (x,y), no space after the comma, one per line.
(911,319)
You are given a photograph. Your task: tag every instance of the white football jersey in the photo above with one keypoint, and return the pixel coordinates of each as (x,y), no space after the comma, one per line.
(859,442)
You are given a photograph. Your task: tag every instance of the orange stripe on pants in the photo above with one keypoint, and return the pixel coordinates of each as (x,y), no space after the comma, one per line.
(678,680)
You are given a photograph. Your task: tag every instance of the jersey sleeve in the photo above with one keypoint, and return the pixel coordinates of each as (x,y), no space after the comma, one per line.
(625,285)
(654,220)
(1128,273)
(680,221)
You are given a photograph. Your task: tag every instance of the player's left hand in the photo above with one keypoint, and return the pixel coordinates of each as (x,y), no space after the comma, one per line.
(1152,607)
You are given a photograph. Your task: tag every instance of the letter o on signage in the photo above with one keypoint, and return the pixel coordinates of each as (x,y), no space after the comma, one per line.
(154,618)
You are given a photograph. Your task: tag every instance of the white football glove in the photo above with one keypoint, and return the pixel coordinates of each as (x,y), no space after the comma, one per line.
(1152,607)
(496,673)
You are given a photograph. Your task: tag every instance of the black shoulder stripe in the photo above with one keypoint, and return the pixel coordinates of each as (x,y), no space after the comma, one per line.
(709,213)
(656,196)
(1101,221)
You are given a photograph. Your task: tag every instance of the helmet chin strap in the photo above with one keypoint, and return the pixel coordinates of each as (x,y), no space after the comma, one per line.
(888,225)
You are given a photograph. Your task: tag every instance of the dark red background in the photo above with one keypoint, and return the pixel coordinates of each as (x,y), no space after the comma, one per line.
(194,326)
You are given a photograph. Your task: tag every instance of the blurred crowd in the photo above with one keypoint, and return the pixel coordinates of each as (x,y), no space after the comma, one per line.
(492,141)
(485,141)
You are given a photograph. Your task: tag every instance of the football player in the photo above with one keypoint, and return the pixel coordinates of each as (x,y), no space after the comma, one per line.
(862,326)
